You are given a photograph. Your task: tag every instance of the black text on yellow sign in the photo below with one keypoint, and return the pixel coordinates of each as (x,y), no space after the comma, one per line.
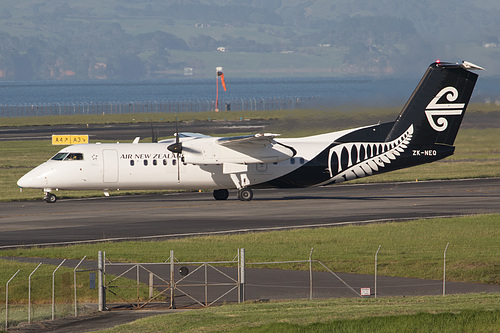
(69,139)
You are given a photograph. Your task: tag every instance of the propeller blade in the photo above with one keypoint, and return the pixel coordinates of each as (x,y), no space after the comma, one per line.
(178,169)
(176,130)
(154,135)
(177,148)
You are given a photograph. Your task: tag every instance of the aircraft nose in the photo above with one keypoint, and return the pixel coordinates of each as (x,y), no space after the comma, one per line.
(29,181)
(22,182)
(36,178)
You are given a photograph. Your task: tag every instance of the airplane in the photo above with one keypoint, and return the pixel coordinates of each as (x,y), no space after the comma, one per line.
(423,132)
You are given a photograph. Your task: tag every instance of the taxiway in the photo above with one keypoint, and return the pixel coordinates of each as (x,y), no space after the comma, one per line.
(184,214)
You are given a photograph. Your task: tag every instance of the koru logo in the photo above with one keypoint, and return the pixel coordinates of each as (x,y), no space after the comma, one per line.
(442,109)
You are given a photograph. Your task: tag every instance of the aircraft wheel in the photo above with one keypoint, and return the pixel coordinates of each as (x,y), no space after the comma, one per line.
(222,194)
(245,194)
(50,198)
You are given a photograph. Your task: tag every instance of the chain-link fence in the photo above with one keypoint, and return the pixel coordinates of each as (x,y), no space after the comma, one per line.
(155,106)
(59,288)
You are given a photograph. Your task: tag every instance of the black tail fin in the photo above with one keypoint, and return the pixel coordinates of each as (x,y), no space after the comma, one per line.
(437,106)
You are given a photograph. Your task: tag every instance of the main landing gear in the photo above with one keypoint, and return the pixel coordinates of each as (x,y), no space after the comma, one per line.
(222,194)
(50,197)
(244,194)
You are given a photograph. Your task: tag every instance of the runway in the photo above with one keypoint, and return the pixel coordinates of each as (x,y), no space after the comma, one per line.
(182,214)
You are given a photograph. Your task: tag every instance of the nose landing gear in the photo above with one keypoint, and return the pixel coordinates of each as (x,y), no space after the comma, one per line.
(50,197)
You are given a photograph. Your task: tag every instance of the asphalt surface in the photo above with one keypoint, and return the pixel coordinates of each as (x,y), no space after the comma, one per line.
(173,215)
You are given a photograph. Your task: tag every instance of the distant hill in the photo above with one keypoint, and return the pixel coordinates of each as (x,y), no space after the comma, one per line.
(145,39)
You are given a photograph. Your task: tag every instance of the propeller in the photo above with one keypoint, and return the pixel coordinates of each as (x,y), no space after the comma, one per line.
(176,148)
(154,134)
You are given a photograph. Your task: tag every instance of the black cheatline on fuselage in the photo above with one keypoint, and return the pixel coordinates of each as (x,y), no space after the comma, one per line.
(424,132)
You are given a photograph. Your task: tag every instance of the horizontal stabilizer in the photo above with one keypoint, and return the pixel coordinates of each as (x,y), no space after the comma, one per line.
(471,66)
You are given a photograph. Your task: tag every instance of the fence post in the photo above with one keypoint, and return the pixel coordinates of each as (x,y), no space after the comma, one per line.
(29,293)
(310,275)
(242,275)
(53,289)
(7,299)
(172,282)
(151,284)
(74,279)
(138,285)
(444,270)
(102,288)
(376,258)
(239,275)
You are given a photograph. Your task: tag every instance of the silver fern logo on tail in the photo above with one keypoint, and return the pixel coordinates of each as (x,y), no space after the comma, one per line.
(443,109)
(356,160)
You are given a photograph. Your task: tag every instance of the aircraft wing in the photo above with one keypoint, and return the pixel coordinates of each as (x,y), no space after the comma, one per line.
(257,148)
(248,140)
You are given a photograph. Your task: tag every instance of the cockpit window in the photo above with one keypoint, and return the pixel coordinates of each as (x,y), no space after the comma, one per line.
(74,157)
(59,156)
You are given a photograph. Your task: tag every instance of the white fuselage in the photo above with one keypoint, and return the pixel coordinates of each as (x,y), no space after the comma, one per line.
(138,166)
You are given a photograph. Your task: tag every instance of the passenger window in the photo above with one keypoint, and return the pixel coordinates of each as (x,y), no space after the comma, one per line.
(174,162)
(164,162)
(155,163)
(132,162)
(145,162)
(74,157)
(301,160)
(292,160)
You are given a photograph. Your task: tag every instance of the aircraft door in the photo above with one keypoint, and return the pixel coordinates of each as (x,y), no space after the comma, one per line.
(110,165)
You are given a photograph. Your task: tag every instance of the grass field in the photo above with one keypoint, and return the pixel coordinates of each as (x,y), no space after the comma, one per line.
(340,117)
(457,313)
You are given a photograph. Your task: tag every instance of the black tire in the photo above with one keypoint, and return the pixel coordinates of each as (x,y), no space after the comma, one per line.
(50,198)
(245,194)
(222,194)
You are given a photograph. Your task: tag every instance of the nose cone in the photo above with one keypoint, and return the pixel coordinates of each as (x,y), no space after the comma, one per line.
(31,180)
(23,181)
(36,178)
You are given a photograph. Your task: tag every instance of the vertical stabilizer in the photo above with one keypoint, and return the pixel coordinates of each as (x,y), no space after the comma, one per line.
(437,106)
